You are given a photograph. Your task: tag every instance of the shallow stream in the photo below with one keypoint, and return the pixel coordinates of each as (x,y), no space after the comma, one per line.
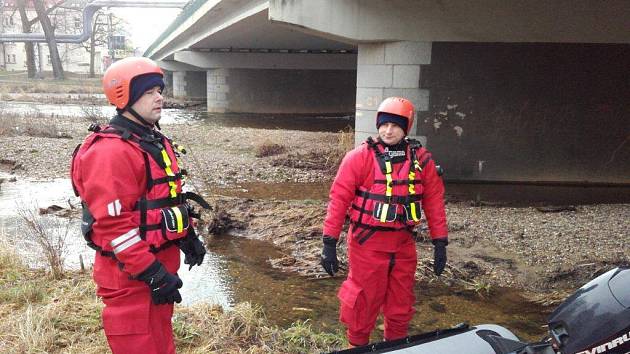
(237,269)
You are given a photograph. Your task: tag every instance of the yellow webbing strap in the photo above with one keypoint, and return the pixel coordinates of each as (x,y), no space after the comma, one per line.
(169,172)
(414,214)
(412,189)
(416,164)
(179,218)
(388,190)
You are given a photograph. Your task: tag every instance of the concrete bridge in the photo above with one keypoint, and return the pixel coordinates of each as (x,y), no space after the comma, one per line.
(505,90)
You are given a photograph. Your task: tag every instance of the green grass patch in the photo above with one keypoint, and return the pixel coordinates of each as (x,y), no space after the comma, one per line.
(22,293)
(43,315)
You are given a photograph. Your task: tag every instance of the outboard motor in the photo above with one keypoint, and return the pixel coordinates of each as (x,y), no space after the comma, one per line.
(596,318)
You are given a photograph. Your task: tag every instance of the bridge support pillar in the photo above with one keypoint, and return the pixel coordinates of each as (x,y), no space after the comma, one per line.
(280,91)
(385,70)
(189,84)
(168,81)
(217,90)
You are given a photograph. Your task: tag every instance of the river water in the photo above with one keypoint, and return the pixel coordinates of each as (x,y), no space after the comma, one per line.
(237,269)
(178,116)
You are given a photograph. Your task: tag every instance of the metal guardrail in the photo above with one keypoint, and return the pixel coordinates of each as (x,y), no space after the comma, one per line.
(88,14)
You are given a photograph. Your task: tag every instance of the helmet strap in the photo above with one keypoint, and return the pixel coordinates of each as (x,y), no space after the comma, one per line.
(141,119)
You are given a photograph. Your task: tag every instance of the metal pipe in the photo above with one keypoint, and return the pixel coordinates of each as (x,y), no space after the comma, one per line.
(88,13)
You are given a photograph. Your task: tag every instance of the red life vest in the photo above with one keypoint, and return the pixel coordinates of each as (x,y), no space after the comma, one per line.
(162,210)
(392,202)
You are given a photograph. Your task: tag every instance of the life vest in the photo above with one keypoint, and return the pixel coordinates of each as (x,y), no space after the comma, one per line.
(392,202)
(163,209)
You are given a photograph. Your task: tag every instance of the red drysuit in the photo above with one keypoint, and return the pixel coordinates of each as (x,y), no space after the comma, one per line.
(382,255)
(125,183)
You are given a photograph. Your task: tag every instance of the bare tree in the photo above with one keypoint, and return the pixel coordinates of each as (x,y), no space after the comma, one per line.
(103,26)
(49,32)
(27,27)
(28,46)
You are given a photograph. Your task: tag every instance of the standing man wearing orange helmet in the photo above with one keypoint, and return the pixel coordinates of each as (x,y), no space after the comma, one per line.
(384,184)
(135,214)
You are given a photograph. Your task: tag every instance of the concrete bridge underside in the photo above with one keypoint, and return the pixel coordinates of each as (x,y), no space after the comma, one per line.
(528,90)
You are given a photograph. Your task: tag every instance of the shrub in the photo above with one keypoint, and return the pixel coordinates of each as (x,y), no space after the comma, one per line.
(50,234)
(268,148)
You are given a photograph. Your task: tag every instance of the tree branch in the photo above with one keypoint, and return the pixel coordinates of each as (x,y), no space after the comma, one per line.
(48,11)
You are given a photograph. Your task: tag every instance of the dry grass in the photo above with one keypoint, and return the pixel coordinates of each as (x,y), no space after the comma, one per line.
(268,148)
(12,83)
(65,318)
(29,124)
(50,234)
(94,114)
(319,157)
(245,330)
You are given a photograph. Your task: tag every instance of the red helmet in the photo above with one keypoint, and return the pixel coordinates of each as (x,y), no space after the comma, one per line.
(398,106)
(119,75)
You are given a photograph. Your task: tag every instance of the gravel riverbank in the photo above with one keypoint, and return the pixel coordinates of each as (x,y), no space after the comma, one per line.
(540,251)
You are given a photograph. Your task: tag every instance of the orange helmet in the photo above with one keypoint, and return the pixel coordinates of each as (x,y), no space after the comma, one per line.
(398,106)
(118,77)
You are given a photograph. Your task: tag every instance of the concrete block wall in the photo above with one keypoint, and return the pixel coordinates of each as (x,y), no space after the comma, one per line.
(561,115)
(189,84)
(385,70)
(283,91)
(179,83)
(217,90)
(196,85)
(168,82)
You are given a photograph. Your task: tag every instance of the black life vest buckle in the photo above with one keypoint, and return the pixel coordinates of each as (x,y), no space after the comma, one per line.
(94,127)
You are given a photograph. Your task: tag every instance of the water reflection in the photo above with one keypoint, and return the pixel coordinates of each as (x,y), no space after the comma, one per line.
(208,283)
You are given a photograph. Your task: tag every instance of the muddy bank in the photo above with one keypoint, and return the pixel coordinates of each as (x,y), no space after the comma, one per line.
(525,248)
(533,249)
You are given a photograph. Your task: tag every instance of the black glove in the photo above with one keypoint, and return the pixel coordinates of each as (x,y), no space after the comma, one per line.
(439,255)
(329,255)
(163,284)
(193,249)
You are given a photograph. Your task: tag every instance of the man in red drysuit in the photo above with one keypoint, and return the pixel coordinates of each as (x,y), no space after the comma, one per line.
(135,214)
(383,185)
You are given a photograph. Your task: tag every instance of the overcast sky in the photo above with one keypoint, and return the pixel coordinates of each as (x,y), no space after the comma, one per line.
(145,25)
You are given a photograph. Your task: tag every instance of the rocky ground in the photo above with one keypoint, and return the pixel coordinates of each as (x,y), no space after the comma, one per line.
(243,171)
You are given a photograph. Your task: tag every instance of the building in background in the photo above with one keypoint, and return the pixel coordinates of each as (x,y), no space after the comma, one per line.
(67,20)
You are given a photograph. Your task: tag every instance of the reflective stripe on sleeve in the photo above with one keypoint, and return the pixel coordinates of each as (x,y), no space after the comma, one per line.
(125,241)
